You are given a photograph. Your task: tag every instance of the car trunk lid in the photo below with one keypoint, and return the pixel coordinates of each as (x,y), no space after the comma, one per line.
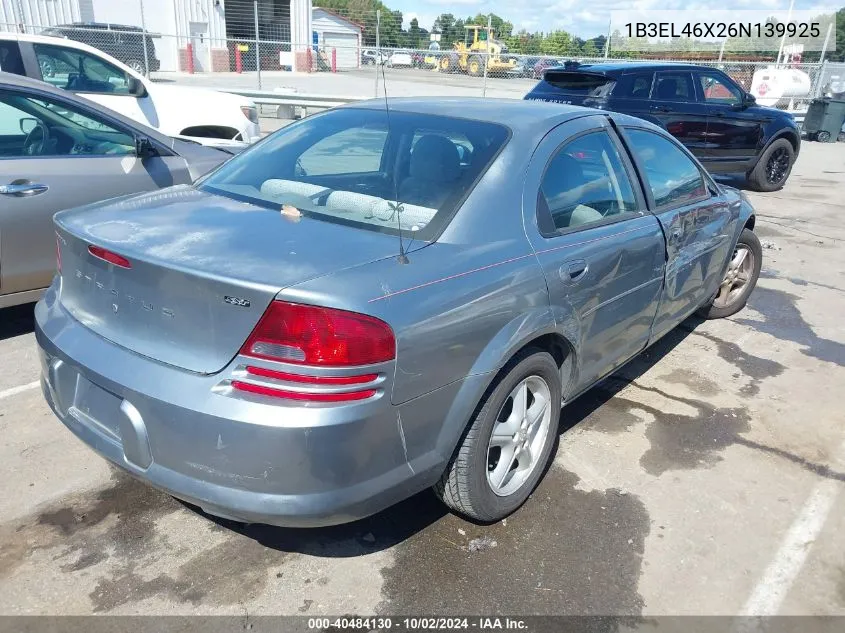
(202,269)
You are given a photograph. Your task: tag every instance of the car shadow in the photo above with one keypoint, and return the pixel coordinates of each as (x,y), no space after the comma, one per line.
(582,407)
(403,520)
(17,320)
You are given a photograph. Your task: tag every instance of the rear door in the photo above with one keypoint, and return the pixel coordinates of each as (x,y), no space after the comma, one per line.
(734,131)
(49,150)
(697,221)
(676,108)
(601,250)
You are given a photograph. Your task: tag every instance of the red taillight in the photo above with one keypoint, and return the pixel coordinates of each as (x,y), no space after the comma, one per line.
(296,395)
(311,335)
(58,255)
(311,380)
(107,256)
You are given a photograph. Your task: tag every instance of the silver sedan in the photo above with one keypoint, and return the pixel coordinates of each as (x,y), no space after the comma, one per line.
(59,151)
(372,302)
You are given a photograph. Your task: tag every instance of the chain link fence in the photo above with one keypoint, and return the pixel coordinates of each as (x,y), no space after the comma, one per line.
(253,45)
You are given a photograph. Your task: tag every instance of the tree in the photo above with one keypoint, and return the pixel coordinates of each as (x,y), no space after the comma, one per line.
(590,50)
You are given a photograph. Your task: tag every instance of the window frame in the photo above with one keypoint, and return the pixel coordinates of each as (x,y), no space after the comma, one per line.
(545,221)
(79,51)
(710,187)
(694,98)
(30,93)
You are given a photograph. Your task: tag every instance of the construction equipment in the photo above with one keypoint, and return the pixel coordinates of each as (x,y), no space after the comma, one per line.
(478,48)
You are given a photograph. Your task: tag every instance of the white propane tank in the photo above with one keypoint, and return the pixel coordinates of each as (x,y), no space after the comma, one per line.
(772,85)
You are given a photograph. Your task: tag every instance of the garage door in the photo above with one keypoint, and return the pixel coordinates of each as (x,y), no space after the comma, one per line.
(347,48)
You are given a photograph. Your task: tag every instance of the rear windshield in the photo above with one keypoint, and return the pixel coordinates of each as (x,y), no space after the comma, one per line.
(583,84)
(365,168)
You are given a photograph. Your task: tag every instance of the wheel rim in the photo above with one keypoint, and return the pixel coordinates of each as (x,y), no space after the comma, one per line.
(518,436)
(777,166)
(473,67)
(737,277)
(137,66)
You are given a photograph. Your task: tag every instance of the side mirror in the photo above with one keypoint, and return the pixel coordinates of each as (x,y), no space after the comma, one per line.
(28,124)
(748,99)
(136,87)
(144,148)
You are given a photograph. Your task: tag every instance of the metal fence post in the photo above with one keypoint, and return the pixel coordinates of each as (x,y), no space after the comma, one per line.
(487,59)
(257,45)
(378,49)
(144,38)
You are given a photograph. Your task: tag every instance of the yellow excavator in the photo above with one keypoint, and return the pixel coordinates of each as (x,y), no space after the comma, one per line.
(470,55)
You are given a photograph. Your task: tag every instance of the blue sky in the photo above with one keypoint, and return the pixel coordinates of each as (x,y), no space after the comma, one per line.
(584,19)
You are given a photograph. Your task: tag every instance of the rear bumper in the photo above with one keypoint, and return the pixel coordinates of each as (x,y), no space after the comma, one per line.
(248,461)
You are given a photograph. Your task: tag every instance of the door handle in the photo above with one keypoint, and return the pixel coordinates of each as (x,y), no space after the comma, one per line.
(574,271)
(720,113)
(658,108)
(20,190)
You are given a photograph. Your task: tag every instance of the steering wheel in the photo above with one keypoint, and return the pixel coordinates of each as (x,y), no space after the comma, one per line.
(37,140)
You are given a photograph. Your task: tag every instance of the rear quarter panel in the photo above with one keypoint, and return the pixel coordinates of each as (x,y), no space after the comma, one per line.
(460,308)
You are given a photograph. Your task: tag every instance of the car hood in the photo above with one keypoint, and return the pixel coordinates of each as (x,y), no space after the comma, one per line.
(191,94)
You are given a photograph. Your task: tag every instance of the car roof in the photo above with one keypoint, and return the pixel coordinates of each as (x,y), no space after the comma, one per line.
(528,119)
(618,68)
(97,25)
(515,113)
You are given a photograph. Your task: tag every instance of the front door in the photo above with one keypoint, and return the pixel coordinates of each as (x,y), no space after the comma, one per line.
(48,151)
(600,249)
(734,131)
(675,107)
(697,222)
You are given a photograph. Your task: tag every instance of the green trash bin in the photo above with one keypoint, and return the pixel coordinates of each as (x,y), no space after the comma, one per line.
(824,119)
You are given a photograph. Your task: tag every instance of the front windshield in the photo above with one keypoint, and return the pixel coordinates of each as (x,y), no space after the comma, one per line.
(365,168)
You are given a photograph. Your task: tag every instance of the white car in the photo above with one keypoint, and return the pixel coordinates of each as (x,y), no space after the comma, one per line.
(400,58)
(91,73)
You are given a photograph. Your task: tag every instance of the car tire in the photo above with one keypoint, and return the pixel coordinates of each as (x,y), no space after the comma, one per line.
(137,65)
(713,309)
(759,177)
(466,486)
(823,137)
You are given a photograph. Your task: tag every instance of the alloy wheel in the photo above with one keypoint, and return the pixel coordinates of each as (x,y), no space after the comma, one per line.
(777,166)
(737,277)
(518,436)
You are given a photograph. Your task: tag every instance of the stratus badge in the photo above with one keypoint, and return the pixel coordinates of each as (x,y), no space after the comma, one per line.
(237,301)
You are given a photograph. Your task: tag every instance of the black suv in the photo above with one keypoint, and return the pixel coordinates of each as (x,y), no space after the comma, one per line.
(124,43)
(700,106)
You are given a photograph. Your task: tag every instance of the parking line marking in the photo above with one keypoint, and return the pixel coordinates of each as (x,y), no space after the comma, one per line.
(770,592)
(16,390)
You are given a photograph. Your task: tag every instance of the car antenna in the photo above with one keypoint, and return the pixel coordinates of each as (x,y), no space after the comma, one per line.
(396,207)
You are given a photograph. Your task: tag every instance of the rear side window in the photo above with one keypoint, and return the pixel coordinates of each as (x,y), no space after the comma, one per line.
(674,87)
(583,84)
(10,58)
(366,168)
(586,183)
(634,86)
(673,177)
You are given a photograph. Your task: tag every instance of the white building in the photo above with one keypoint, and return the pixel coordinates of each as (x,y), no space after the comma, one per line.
(212,27)
(335,32)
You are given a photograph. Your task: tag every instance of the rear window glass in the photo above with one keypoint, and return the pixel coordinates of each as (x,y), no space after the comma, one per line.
(584,84)
(365,168)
